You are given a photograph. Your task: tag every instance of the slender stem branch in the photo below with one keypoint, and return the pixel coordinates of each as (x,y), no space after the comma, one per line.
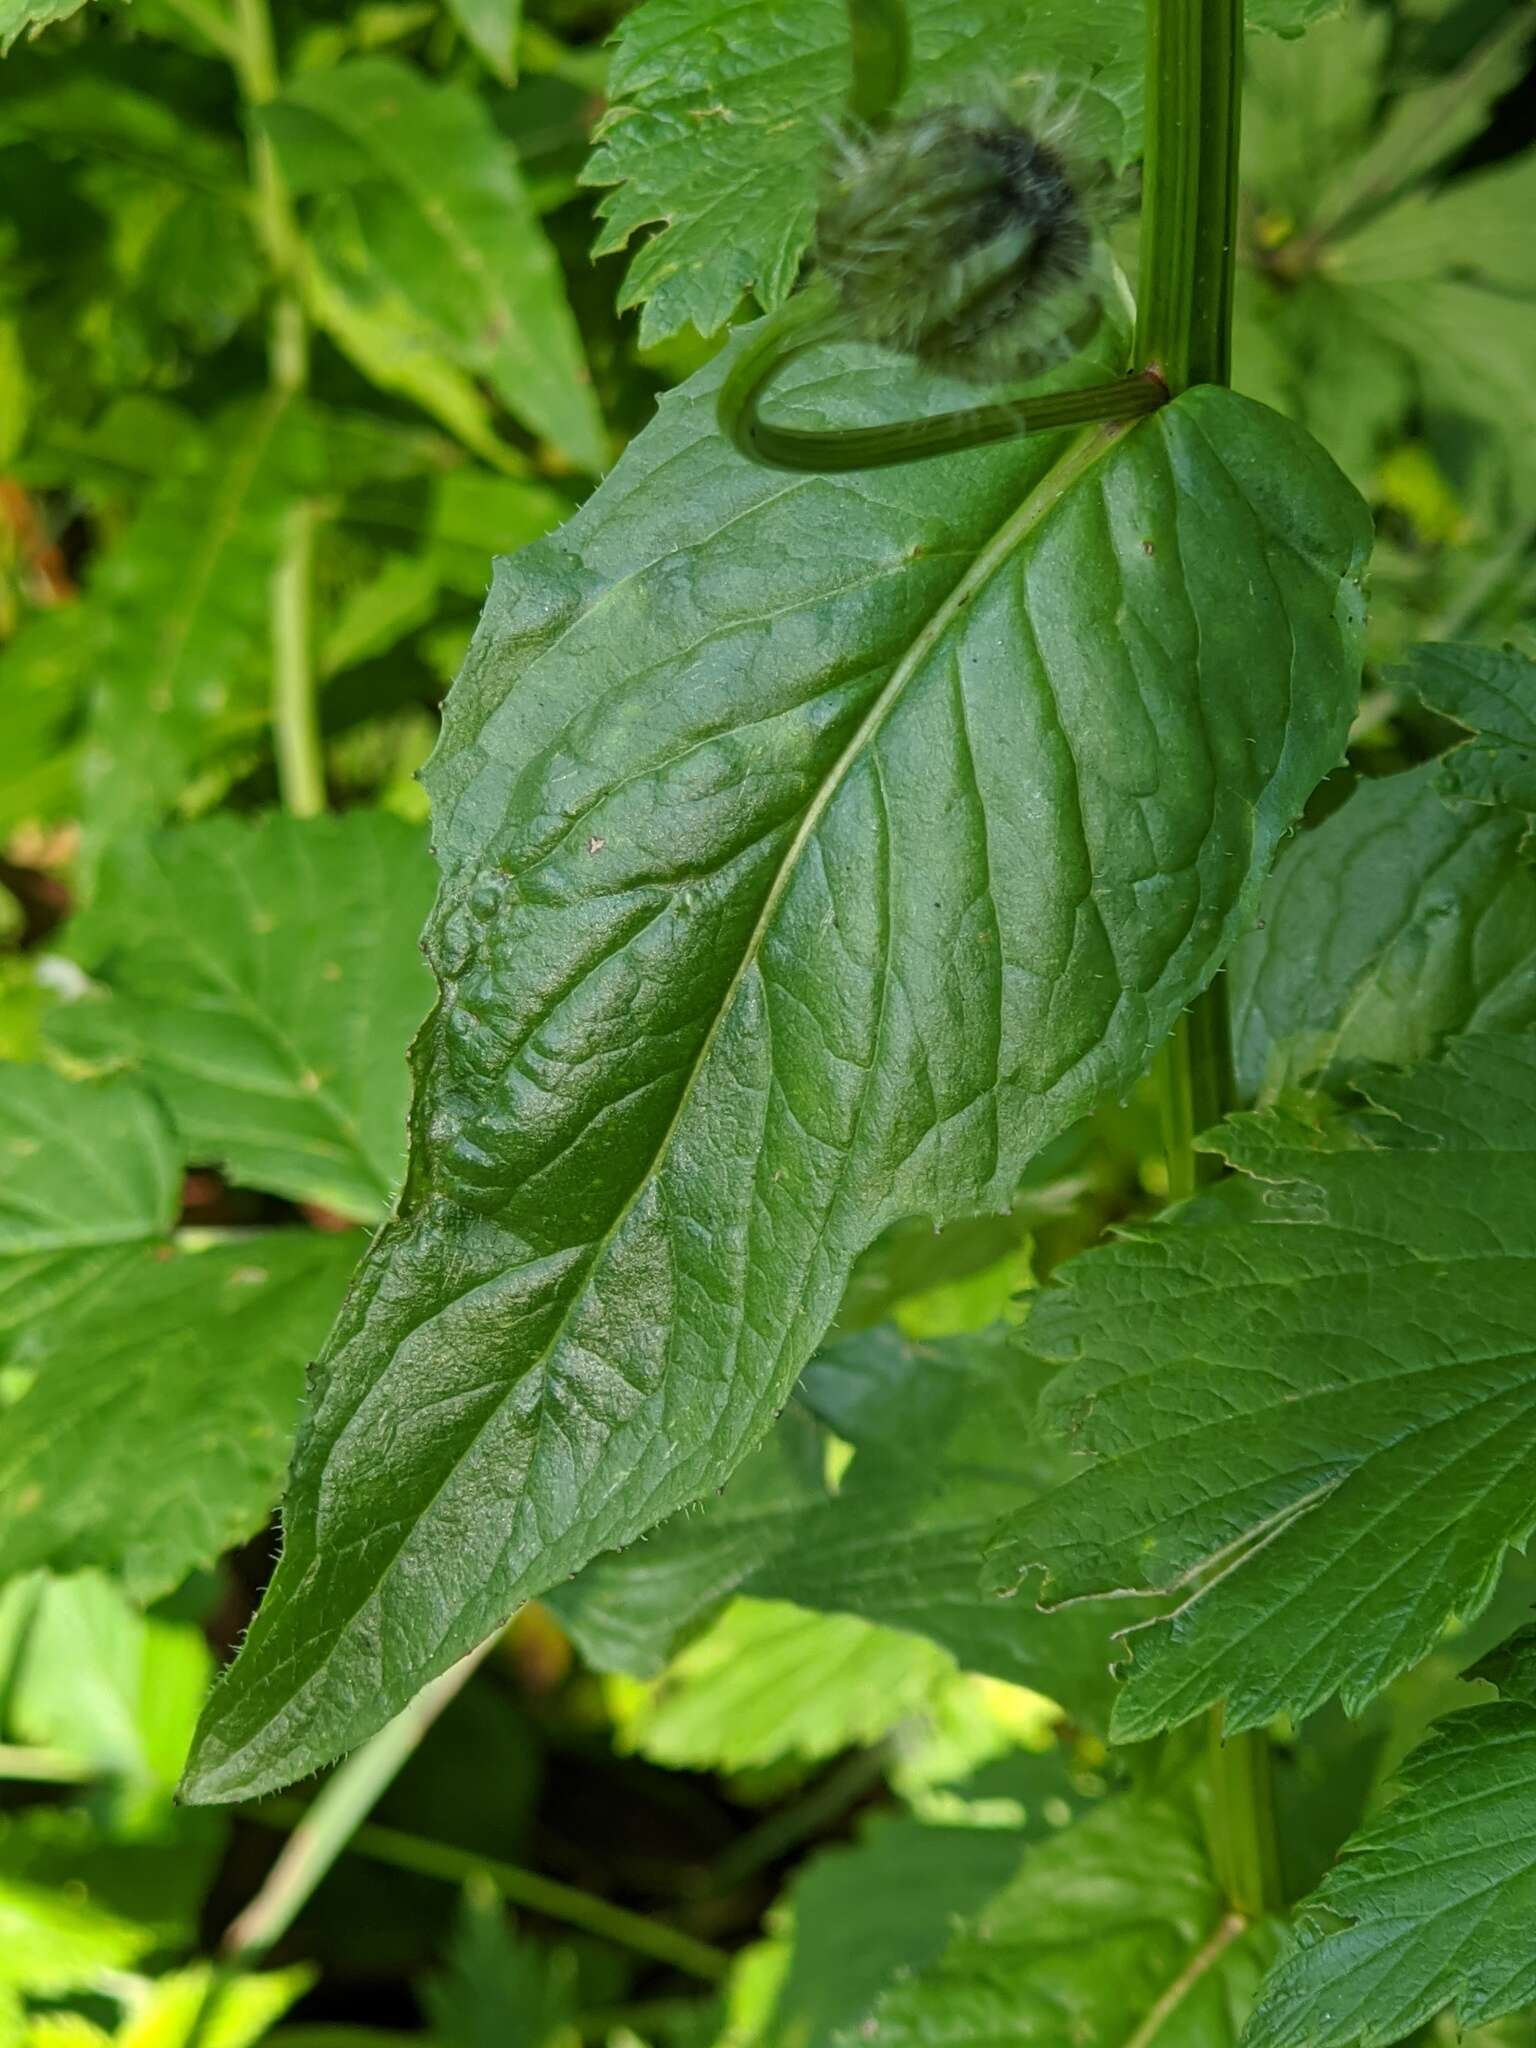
(521,1887)
(1184,329)
(1203,1960)
(295,714)
(335,1815)
(23,1764)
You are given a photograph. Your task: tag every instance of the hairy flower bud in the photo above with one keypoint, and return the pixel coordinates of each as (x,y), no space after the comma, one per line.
(961,238)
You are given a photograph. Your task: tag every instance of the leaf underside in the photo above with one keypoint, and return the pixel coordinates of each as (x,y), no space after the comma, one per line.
(814,850)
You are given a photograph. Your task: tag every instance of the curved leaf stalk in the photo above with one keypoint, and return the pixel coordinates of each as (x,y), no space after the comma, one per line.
(295,717)
(810,318)
(878,49)
(1184,330)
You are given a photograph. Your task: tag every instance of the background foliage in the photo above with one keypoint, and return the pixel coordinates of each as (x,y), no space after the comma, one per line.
(299,327)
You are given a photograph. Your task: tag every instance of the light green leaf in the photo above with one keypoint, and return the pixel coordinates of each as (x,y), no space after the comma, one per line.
(500,1990)
(800,837)
(769,1681)
(442,215)
(1433,1902)
(264,975)
(1308,1396)
(18,16)
(719,114)
(249,2006)
(1406,917)
(492,26)
(91,1175)
(74,1902)
(97,1680)
(138,1447)
(1114,1931)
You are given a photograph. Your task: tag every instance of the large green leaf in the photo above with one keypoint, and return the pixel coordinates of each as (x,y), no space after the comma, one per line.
(1114,1931)
(156,1427)
(264,975)
(1433,1902)
(1309,1398)
(719,115)
(436,197)
(91,1176)
(814,851)
(492,26)
(1407,916)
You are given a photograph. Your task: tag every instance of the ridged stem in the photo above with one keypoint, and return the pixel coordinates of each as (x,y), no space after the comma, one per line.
(1184,331)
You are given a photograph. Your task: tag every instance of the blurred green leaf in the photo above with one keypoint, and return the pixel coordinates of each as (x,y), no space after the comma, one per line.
(1113,1931)
(492,26)
(94,1678)
(136,1447)
(719,116)
(17,16)
(249,2006)
(499,1989)
(92,1177)
(442,217)
(264,975)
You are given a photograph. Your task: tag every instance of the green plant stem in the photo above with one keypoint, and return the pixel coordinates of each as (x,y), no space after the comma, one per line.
(878,48)
(210,22)
(1184,331)
(333,1817)
(23,1764)
(402,1851)
(295,713)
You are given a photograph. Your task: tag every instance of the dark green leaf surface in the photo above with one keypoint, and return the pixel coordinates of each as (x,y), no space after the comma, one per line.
(1493,694)
(89,1176)
(265,977)
(1114,1931)
(437,199)
(1309,1399)
(868,1913)
(814,850)
(156,1427)
(945,1441)
(719,115)
(500,1989)
(627,1611)
(1433,1903)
